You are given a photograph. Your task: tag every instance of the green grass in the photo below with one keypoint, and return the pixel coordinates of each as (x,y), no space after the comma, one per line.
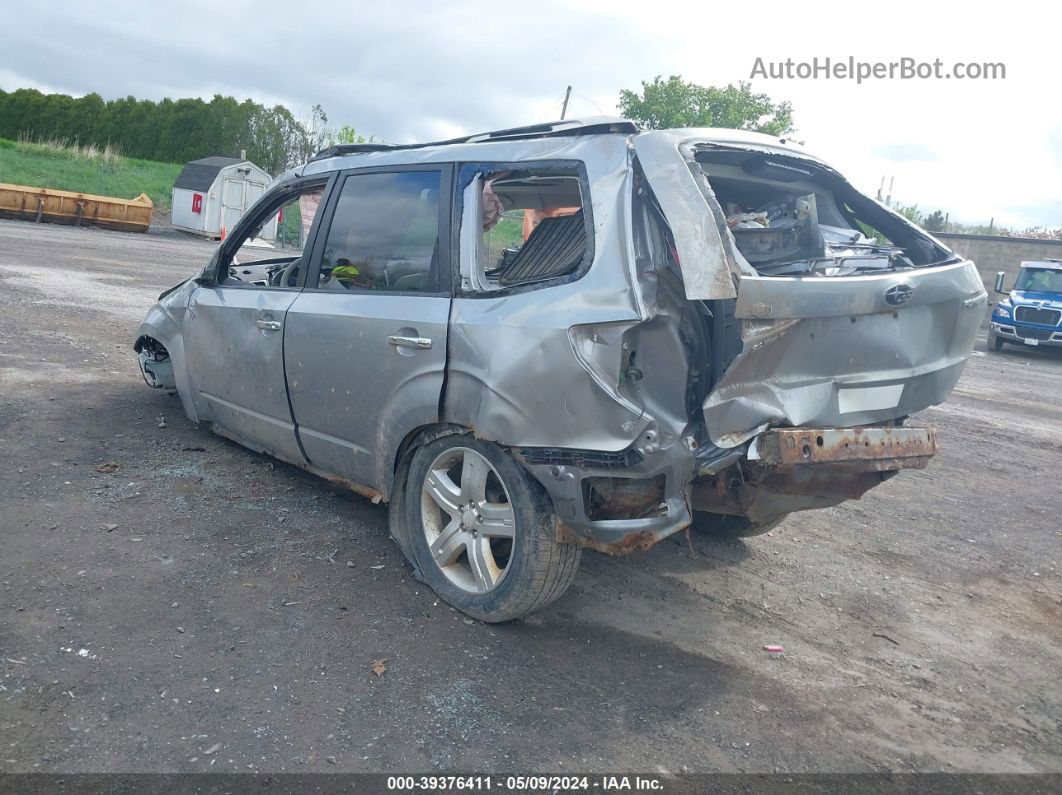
(509,231)
(61,166)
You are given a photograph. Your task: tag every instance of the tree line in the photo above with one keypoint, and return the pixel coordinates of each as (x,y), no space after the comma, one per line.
(169,130)
(180,130)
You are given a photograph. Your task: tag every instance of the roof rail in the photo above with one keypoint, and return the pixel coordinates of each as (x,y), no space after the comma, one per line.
(350,149)
(592,125)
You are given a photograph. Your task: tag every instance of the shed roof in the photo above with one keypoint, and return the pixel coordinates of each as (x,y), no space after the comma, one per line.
(200,174)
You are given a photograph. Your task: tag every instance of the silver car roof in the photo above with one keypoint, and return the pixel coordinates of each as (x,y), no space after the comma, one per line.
(577,138)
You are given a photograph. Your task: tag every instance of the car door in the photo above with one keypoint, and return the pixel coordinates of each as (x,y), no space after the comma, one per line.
(234,327)
(365,345)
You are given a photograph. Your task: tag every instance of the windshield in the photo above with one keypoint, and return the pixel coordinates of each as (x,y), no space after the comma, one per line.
(1039,280)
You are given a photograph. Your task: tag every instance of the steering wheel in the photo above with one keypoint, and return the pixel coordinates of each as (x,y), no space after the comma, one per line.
(289,271)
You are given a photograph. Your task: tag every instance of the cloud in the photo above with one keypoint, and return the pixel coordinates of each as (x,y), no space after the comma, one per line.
(905,152)
(1046,213)
(1054,144)
(419,73)
(407,71)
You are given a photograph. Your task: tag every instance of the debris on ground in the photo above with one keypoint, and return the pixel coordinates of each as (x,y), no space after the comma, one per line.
(379,667)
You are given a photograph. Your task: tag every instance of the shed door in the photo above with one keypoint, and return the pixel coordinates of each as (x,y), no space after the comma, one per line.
(233,202)
(253,192)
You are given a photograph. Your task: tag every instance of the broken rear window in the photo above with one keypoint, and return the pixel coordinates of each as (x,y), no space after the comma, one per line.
(790,217)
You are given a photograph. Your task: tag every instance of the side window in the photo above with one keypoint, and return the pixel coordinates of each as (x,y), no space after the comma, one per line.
(531,227)
(271,252)
(384,234)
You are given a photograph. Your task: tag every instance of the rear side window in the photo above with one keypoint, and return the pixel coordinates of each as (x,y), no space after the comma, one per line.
(524,226)
(384,234)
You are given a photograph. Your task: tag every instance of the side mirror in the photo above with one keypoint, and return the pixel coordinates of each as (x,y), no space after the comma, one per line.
(999,282)
(208,277)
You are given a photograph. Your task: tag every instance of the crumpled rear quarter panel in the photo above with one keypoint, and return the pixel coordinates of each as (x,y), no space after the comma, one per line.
(513,375)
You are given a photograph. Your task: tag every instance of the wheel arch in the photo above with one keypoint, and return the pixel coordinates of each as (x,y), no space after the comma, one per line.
(394,479)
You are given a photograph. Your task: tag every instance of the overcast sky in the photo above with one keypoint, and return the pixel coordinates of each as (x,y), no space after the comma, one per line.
(978,149)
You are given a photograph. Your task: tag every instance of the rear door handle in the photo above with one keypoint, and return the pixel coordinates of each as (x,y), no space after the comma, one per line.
(409,342)
(268,325)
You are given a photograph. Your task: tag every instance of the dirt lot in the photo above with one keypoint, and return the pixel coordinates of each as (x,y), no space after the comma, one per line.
(204,608)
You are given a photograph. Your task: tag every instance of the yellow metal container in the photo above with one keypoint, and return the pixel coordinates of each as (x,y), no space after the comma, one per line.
(79,209)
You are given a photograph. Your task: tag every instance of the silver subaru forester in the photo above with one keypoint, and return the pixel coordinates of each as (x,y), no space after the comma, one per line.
(569,335)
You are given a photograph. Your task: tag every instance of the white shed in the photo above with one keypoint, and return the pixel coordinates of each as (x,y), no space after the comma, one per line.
(212,194)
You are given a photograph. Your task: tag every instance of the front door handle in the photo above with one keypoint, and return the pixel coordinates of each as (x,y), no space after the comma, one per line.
(268,325)
(409,342)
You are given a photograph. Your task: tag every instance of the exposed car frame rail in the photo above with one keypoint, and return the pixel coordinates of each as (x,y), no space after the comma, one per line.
(882,448)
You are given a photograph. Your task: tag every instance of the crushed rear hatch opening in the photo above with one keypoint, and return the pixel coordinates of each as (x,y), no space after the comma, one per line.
(849,314)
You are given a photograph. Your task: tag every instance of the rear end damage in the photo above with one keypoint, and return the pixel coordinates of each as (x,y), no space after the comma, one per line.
(811,321)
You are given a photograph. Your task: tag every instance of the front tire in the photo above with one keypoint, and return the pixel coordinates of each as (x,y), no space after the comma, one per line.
(995,343)
(482,531)
(726,527)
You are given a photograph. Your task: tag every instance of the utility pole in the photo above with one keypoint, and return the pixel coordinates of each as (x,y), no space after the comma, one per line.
(567,96)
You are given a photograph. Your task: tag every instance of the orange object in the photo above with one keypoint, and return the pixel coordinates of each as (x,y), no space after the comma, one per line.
(79,209)
(533,217)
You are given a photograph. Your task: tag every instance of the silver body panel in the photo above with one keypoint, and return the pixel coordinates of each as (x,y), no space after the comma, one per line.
(355,394)
(835,353)
(236,368)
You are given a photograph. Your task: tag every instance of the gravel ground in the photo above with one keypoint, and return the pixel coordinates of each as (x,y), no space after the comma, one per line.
(195,606)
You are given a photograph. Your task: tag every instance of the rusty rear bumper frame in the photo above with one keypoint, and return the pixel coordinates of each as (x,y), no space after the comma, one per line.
(799,469)
(861,449)
(784,470)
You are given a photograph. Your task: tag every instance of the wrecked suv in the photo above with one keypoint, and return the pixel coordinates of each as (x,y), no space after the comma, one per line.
(570,335)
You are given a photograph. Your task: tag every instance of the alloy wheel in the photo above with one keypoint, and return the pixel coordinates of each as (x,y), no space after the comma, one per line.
(468,520)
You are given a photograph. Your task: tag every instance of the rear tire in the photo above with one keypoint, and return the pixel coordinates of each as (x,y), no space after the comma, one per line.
(724,526)
(482,531)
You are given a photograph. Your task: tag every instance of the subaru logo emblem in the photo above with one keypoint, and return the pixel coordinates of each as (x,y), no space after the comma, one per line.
(899,294)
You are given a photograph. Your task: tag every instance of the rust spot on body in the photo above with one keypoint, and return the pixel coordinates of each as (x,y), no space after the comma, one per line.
(640,539)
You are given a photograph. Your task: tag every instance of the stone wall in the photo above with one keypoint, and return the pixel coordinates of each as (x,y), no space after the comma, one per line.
(992,253)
